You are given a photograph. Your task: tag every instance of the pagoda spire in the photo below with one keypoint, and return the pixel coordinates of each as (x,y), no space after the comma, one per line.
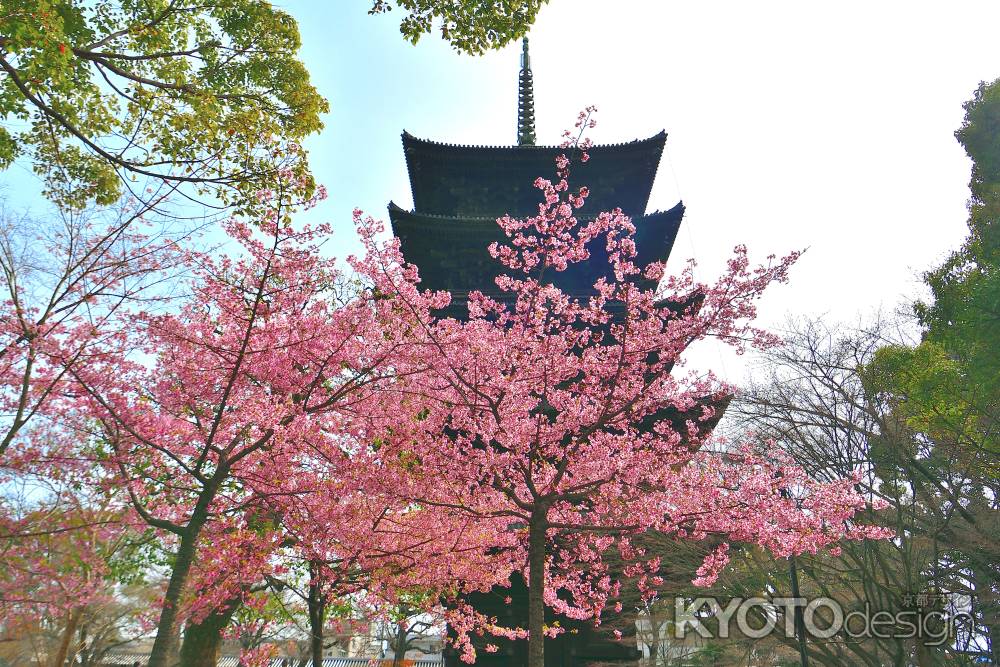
(525,100)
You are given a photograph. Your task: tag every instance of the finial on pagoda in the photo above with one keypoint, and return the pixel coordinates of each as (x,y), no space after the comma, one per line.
(525,100)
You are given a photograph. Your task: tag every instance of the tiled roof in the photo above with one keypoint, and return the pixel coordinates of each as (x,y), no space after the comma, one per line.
(452,253)
(489,181)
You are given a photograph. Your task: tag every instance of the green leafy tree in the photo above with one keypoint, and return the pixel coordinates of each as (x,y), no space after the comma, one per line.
(472,26)
(117,92)
(964,315)
(106,95)
(947,388)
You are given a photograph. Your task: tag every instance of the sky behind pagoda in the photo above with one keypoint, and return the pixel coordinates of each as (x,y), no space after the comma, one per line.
(791,124)
(826,126)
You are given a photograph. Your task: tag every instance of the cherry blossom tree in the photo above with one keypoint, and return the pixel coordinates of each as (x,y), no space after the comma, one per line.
(206,412)
(562,425)
(361,546)
(233,427)
(55,564)
(67,278)
(336,536)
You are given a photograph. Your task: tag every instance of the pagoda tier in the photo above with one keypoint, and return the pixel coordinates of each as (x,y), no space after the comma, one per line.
(490,181)
(452,253)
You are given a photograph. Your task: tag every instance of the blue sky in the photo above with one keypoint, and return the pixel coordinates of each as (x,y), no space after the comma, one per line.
(826,126)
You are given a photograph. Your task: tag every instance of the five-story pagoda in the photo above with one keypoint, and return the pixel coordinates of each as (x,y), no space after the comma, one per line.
(458,194)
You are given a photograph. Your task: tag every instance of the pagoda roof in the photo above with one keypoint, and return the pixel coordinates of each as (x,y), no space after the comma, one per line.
(490,181)
(451,252)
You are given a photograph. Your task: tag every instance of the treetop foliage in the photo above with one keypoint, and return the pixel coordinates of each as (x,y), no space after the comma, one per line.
(101,94)
(472,26)
(965,312)
(947,386)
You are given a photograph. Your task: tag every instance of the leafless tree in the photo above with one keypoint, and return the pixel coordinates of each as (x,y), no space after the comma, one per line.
(813,401)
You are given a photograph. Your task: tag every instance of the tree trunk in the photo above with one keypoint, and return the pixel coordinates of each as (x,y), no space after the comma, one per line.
(203,641)
(536,587)
(72,620)
(166,631)
(165,643)
(317,615)
(399,647)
